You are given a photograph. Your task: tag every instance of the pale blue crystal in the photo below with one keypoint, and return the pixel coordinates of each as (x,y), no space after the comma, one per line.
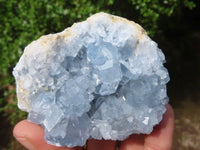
(101,78)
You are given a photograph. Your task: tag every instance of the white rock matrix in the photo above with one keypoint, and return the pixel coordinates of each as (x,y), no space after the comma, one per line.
(101,78)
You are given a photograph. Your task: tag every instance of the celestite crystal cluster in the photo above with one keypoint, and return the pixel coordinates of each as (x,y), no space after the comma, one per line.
(101,78)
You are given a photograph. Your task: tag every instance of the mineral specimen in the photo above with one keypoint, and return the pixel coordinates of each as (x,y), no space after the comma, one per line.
(101,78)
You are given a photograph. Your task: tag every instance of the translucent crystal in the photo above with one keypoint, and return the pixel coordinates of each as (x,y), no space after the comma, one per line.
(101,78)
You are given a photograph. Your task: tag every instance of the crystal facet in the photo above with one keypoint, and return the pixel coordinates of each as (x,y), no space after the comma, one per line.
(101,78)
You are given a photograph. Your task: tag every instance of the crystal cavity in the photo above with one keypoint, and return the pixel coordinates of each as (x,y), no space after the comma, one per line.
(101,78)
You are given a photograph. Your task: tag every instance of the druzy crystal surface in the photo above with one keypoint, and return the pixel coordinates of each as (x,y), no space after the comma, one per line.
(101,78)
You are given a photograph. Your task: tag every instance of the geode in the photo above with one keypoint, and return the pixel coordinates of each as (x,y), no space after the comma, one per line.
(101,78)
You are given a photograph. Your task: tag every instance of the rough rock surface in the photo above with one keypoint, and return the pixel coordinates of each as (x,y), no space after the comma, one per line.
(101,78)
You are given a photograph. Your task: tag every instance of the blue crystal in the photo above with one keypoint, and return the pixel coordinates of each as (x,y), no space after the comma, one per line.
(101,78)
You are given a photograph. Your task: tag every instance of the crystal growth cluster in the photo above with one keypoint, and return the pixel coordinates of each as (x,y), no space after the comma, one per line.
(101,78)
